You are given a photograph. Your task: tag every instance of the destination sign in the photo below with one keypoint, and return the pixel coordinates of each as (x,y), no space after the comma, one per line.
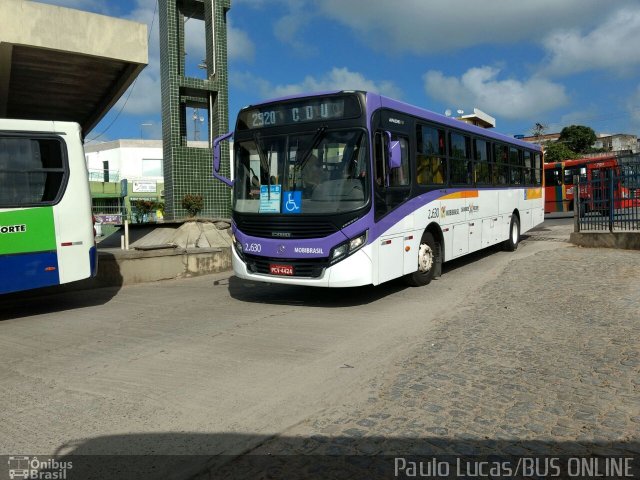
(292,113)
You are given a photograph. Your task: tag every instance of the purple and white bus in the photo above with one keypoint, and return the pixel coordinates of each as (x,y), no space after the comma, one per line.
(351,188)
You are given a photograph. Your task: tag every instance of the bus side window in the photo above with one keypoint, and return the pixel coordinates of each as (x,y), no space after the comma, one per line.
(501,167)
(460,166)
(431,161)
(552,177)
(528,179)
(515,162)
(568,175)
(537,169)
(482,166)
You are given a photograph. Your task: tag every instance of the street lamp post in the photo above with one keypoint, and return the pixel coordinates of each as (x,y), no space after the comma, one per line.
(196,117)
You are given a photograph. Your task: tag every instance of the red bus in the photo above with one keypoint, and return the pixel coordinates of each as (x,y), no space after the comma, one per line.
(595,174)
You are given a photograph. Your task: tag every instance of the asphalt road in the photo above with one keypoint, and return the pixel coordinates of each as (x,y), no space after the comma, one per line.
(216,365)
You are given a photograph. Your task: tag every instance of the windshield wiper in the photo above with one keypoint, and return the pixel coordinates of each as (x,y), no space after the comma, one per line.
(314,143)
(263,158)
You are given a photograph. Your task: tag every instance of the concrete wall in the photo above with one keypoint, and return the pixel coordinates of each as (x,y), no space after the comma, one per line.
(120,267)
(40,25)
(623,240)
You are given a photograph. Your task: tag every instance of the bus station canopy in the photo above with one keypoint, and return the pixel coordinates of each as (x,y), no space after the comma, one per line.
(63,64)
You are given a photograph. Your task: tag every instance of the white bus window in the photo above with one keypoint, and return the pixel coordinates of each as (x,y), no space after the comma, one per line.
(31,171)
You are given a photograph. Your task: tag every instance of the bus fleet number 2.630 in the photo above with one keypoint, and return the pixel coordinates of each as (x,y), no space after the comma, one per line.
(252,247)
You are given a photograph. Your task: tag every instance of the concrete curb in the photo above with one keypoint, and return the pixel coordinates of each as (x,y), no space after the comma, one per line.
(622,240)
(127,267)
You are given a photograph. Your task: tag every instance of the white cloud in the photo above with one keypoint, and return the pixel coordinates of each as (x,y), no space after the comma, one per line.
(613,44)
(239,44)
(287,30)
(427,26)
(145,99)
(510,98)
(336,79)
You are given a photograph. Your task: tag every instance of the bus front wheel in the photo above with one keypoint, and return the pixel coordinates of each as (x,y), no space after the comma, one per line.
(511,243)
(427,258)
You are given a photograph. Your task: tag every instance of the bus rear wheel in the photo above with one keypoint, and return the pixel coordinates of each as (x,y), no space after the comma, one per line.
(427,258)
(511,244)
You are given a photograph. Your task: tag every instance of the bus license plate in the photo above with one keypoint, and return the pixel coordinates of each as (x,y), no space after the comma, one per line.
(280,269)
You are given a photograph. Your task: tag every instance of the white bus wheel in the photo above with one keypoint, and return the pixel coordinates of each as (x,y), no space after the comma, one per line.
(426,262)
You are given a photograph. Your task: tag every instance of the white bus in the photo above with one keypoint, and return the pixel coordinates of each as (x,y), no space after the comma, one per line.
(351,188)
(46,225)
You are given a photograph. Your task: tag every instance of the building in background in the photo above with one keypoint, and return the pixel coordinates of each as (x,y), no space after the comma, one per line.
(618,143)
(479,119)
(124,171)
(121,172)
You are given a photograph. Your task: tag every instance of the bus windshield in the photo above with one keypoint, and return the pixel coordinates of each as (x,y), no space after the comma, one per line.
(319,172)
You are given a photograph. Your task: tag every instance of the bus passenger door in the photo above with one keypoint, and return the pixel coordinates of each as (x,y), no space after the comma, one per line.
(391,188)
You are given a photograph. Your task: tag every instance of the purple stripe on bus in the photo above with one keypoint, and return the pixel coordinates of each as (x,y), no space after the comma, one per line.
(321,247)
(289,248)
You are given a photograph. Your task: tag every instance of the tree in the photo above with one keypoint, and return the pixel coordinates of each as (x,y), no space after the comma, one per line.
(578,138)
(557,152)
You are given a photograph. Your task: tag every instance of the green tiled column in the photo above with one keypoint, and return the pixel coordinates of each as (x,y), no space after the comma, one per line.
(187,170)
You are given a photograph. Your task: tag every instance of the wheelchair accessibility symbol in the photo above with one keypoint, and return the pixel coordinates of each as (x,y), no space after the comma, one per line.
(292,202)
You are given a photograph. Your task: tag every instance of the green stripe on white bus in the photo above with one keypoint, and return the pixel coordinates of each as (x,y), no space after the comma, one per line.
(26,231)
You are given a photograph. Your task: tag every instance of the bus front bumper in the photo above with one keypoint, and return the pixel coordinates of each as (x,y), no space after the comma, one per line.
(354,271)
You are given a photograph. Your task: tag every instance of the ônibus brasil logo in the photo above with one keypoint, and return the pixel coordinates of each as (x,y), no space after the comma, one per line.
(32,468)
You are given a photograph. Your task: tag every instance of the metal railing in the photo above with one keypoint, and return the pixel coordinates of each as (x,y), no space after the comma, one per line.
(610,200)
(107,176)
(111,215)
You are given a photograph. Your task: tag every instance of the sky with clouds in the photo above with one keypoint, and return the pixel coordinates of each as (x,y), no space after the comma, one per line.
(553,62)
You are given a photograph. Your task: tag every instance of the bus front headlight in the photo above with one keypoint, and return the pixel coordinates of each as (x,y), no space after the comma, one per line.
(236,244)
(357,242)
(339,252)
(347,248)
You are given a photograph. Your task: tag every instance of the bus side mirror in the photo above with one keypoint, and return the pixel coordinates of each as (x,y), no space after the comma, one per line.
(216,158)
(394,153)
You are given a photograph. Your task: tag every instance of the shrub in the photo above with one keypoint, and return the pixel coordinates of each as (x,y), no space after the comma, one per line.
(142,208)
(193,204)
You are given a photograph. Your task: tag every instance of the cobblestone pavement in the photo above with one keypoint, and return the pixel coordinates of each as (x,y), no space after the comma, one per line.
(544,359)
